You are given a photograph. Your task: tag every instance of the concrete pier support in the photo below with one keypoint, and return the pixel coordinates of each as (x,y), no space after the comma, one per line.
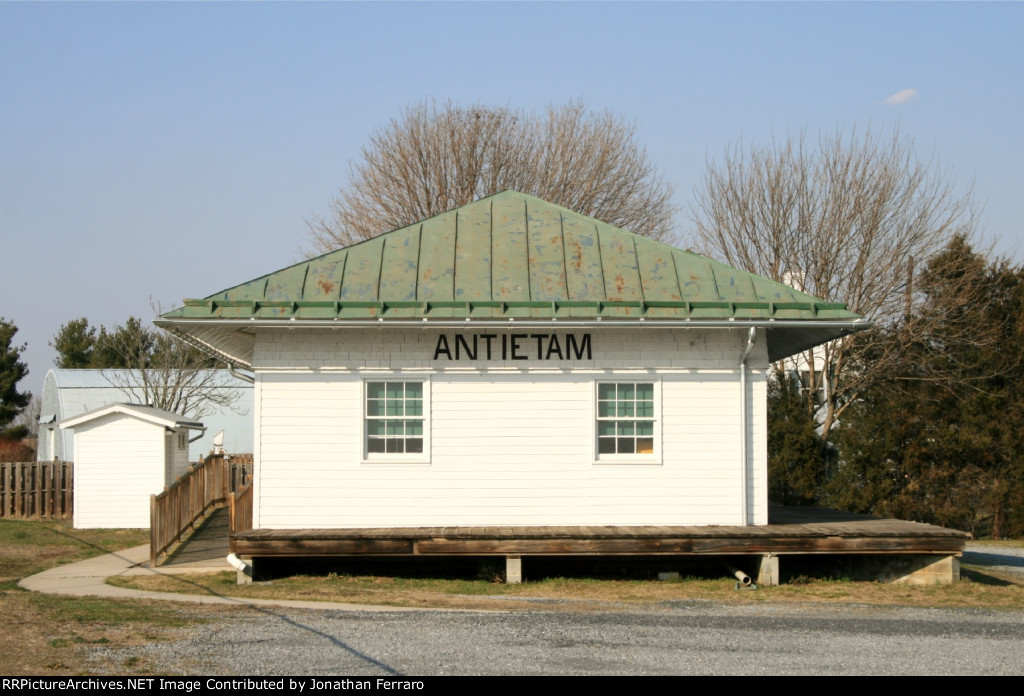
(768,571)
(243,576)
(921,570)
(513,570)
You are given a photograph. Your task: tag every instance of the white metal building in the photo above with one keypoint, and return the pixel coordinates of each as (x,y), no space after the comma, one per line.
(69,393)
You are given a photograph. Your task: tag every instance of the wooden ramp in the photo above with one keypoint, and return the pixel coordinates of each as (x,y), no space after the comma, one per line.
(207,544)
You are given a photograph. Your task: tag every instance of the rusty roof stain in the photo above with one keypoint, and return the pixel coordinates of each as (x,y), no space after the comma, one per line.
(510,255)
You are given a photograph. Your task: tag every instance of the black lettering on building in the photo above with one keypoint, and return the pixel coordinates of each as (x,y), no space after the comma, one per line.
(540,344)
(554,348)
(487,339)
(442,347)
(571,348)
(515,347)
(460,343)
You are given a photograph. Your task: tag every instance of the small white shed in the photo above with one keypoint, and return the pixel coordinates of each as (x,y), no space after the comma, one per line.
(124,454)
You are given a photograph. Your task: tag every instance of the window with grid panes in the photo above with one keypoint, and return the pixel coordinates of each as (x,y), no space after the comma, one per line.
(394,418)
(625,418)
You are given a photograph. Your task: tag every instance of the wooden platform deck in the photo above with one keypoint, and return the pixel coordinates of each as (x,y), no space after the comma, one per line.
(790,531)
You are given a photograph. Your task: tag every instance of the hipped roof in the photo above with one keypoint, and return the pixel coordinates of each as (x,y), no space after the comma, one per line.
(505,257)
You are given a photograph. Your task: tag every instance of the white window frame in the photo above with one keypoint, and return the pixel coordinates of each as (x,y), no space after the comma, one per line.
(654,457)
(365,418)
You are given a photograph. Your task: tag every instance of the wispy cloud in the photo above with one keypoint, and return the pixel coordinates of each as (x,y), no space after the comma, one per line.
(903,96)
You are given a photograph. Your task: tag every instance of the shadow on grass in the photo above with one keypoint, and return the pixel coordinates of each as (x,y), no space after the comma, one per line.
(983,578)
(200,589)
(992,558)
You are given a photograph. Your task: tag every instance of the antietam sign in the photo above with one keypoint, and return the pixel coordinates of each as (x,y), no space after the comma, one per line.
(513,346)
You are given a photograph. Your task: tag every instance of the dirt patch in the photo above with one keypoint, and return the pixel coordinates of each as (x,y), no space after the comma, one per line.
(14,558)
(46,639)
(47,635)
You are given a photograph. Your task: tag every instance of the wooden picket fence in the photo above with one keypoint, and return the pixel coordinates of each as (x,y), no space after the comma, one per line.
(186,502)
(37,490)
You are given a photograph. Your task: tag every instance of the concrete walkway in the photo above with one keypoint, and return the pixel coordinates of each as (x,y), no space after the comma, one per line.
(205,552)
(88,579)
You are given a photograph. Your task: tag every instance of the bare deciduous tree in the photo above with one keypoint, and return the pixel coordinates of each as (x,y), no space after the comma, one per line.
(163,371)
(847,222)
(435,158)
(29,417)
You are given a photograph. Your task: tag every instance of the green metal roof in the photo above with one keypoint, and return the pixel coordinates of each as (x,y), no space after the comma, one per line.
(510,256)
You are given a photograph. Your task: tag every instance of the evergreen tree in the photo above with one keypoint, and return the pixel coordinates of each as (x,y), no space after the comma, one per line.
(939,440)
(127,346)
(12,370)
(798,457)
(75,343)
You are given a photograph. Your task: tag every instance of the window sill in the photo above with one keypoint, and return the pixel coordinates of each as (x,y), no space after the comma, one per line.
(632,461)
(395,462)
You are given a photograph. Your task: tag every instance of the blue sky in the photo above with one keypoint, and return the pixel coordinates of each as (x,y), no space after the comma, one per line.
(163,151)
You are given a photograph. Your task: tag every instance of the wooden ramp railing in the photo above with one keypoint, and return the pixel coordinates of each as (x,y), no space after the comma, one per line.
(186,501)
(240,505)
(37,490)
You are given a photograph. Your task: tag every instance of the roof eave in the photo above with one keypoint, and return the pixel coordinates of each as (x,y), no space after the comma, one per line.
(851,323)
(141,412)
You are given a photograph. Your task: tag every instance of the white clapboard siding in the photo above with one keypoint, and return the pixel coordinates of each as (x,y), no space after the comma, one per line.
(509,442)
(120,464)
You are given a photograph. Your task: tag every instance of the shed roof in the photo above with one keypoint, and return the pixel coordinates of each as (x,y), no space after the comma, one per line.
(512,256)
(150,414)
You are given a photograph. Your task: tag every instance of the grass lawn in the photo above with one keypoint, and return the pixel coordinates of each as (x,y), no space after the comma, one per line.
(405,586)
(50,635)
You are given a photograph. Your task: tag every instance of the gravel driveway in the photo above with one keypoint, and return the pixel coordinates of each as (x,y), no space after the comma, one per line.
(681,637)
(677,638)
